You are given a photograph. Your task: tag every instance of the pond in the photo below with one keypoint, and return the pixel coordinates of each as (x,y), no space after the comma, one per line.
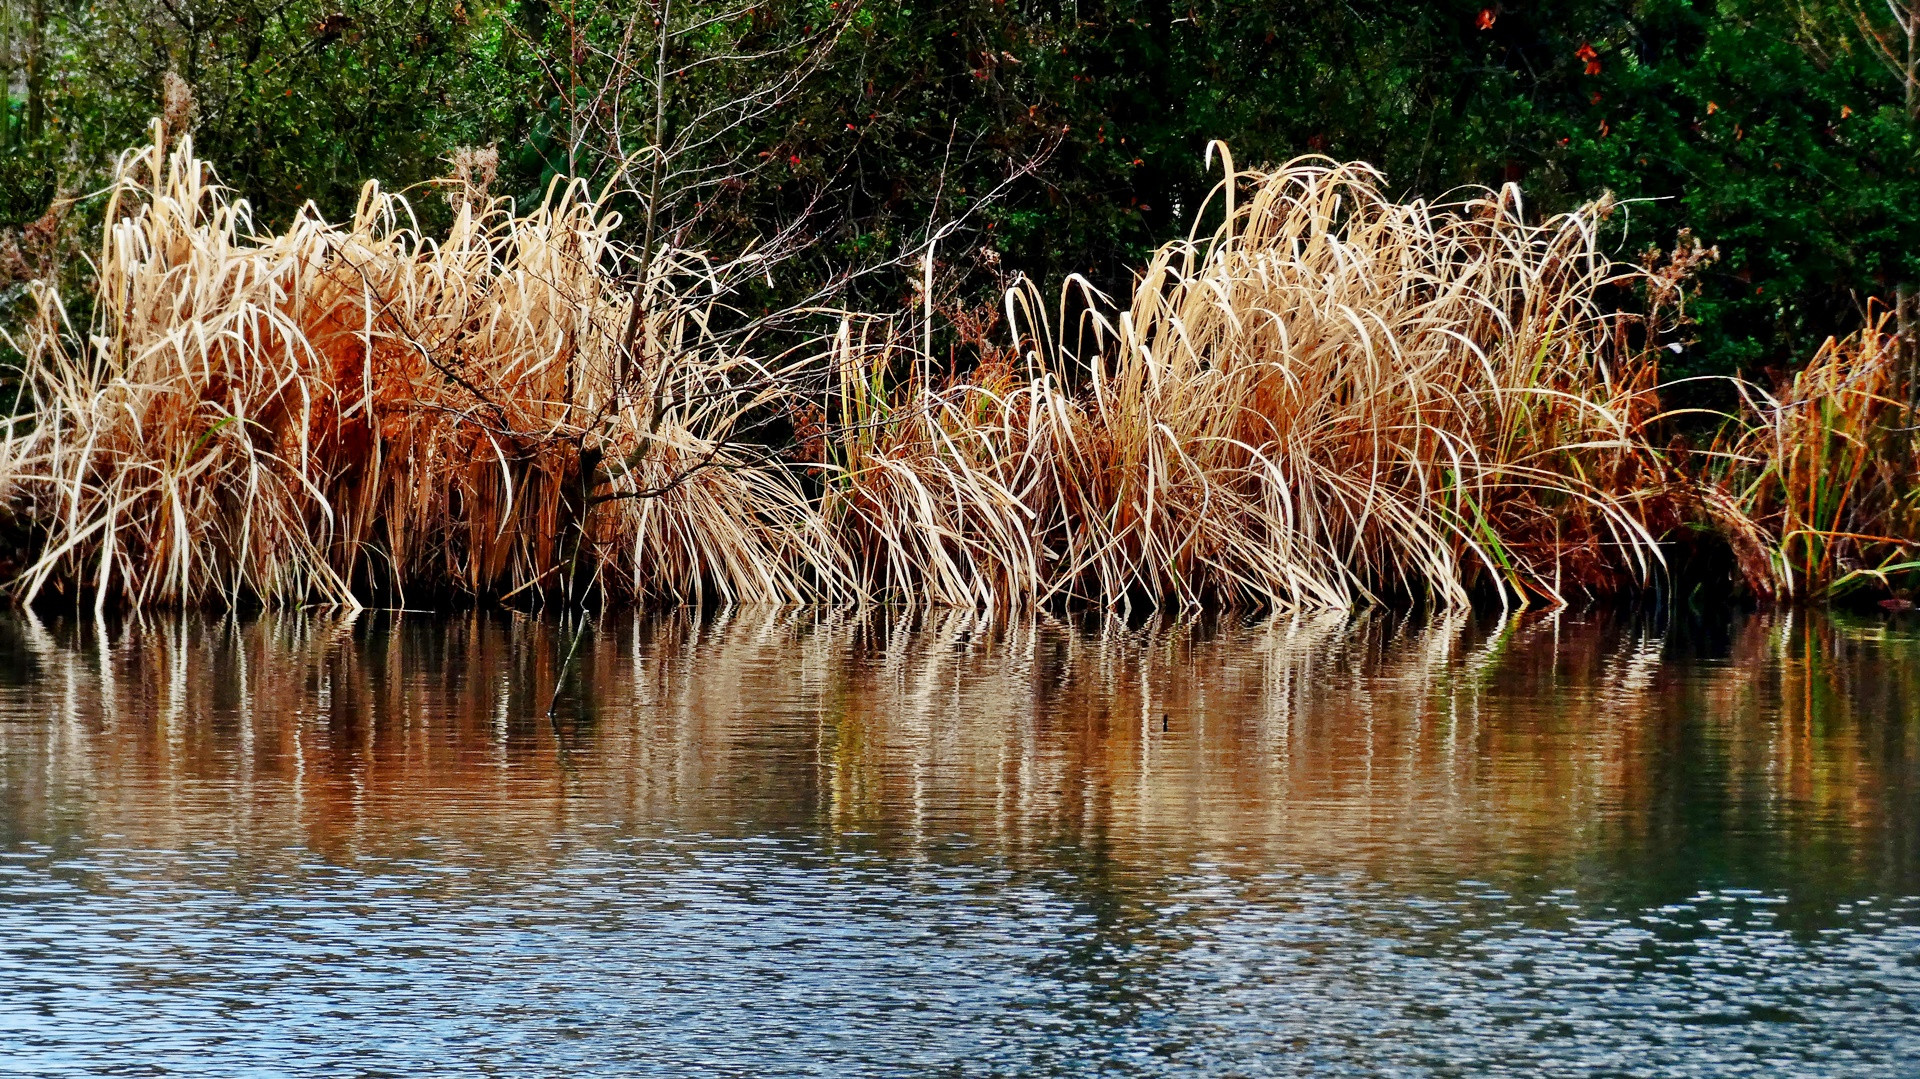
(797,843)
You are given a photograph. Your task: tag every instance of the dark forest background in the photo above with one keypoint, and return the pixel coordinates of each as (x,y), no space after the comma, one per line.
(1070,135)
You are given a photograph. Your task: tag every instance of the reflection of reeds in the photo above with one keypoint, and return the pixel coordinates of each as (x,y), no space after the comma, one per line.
(1313,737)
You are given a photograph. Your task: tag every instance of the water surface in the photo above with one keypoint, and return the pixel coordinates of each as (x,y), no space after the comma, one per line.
(762,843)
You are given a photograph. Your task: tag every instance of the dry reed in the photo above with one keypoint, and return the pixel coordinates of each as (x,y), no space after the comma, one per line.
(1826,470)
(334,412)
(1333,400)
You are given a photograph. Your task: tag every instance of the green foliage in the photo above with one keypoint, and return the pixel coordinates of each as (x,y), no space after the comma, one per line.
(1767,127)
(296,100)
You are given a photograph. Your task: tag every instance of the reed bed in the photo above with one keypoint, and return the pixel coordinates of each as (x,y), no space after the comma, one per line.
(1333,399)
(336,412)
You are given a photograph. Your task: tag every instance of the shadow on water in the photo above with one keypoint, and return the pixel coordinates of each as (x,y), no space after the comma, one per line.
(1447,845)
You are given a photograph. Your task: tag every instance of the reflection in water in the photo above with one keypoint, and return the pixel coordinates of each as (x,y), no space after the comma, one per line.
(785,842)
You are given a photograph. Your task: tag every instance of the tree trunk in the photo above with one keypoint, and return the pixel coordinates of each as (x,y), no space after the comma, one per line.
(6,74)
(37,71)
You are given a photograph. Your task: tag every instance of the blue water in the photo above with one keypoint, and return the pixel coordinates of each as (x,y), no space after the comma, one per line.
(784,844)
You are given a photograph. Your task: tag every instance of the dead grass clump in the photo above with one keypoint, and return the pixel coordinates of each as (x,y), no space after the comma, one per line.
(338,411)
(1333,399)
(930,488)
(1826,469)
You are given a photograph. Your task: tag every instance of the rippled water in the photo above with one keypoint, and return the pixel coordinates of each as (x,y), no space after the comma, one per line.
(774,844)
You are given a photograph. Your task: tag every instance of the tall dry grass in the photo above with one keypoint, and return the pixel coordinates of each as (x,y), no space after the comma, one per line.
(338,411)
(1826,469)
(1333,399)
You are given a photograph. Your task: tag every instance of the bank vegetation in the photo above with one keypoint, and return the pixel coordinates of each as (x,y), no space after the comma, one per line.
(1325,398)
